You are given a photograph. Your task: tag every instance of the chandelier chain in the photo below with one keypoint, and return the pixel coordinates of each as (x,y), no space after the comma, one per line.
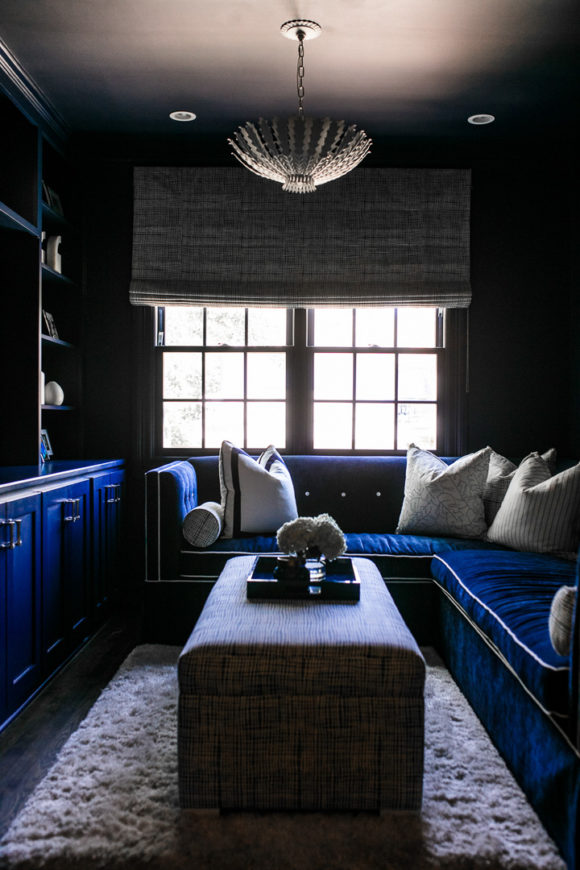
(300,153)
(300,75)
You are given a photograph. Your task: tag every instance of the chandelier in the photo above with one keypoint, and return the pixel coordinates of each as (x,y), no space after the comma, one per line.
(299,152)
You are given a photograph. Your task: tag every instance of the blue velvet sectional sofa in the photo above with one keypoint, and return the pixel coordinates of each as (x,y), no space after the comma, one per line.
(485,608)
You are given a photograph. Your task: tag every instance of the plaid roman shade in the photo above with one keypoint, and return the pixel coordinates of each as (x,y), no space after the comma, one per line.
(222,236)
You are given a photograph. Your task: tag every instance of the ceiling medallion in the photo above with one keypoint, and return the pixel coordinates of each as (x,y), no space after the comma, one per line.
(300,152)
(182,116)
(481,119)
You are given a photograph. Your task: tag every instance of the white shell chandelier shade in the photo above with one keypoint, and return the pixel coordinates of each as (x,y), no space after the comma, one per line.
(300,153)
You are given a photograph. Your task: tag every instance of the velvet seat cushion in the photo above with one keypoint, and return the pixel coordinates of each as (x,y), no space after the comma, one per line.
(359,544)
(508,595)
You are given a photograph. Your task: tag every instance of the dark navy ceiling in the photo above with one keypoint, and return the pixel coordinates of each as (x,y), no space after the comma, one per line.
(401,68)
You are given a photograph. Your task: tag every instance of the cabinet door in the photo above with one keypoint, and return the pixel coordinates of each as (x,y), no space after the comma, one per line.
(66,582)
(21,590)
(108,502)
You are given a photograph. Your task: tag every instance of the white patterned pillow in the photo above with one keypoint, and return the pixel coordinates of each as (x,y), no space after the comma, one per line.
(561,619)
(499,477)
(540,512)
(443,499)
(257,495)
(202,526)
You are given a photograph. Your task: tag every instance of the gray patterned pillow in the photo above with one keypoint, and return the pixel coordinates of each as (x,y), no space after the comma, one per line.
(540,512)
(443,499)
(561,618)
(202,526)
(499,477)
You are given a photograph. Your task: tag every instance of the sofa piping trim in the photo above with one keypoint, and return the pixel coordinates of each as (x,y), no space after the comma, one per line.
(552,716)
(232,552)
(501,622)
(158,516)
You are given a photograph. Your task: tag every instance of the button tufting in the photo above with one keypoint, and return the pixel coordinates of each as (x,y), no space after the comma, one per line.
(378,494)
(343,494)
(306,493)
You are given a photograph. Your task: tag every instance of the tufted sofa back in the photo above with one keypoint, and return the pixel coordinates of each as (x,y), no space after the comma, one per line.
(362,493)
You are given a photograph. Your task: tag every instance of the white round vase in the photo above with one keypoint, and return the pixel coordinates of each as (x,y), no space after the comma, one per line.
(53,394)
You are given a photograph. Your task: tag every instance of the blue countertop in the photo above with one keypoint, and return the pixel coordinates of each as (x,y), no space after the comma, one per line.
(13,477)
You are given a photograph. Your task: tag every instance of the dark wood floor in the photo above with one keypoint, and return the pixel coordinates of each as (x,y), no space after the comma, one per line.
(30,744)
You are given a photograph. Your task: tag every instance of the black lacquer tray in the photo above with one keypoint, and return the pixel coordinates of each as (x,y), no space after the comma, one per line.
(342,583)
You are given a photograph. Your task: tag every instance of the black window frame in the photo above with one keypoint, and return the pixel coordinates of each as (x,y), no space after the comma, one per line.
(451,379)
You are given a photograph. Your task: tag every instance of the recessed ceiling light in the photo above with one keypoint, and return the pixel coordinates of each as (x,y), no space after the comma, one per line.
(481,119)
(182,116)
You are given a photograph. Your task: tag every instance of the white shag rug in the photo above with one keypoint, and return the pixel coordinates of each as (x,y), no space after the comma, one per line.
(110,800)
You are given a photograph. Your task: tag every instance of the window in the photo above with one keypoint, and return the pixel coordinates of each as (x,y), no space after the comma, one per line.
(324,380)
(375,378)
(223,376)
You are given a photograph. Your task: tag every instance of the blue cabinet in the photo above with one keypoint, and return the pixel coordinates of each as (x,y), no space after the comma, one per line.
(66,592)
(60,552)
(108,497)
(20,601)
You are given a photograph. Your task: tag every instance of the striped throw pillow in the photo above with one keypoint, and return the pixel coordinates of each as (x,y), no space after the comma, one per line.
(257,495)
(561,619)
(540,512)
(499,477)
(202,526)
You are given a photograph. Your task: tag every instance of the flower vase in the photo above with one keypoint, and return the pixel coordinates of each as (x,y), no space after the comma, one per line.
(290,572)
(316,569)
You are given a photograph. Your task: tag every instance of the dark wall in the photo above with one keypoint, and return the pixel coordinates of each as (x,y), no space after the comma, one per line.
(520,316)
(524,359)
(573,184)
(109,369)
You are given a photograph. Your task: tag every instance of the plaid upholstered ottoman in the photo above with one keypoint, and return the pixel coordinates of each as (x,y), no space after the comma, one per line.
(300,704)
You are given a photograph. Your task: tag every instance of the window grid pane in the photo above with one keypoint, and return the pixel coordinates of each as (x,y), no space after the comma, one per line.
(374,426)
(266,375)
(224,421)
(417,423)
(266,424)
(375,327)
(332,426)
(333,375)
(182,424)
(224,375)
(225,326)
(266,326)
(182,375)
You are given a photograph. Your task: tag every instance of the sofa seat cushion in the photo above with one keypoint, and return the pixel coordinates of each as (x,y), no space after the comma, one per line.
(359,544)
(508,595)
(396,556)
(408,546)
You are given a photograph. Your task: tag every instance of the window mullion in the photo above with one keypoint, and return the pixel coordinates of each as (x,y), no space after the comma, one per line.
(299,380)
(354,364)
(245,394)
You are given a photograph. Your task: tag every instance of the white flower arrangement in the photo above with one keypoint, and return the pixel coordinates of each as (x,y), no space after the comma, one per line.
(311,537)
